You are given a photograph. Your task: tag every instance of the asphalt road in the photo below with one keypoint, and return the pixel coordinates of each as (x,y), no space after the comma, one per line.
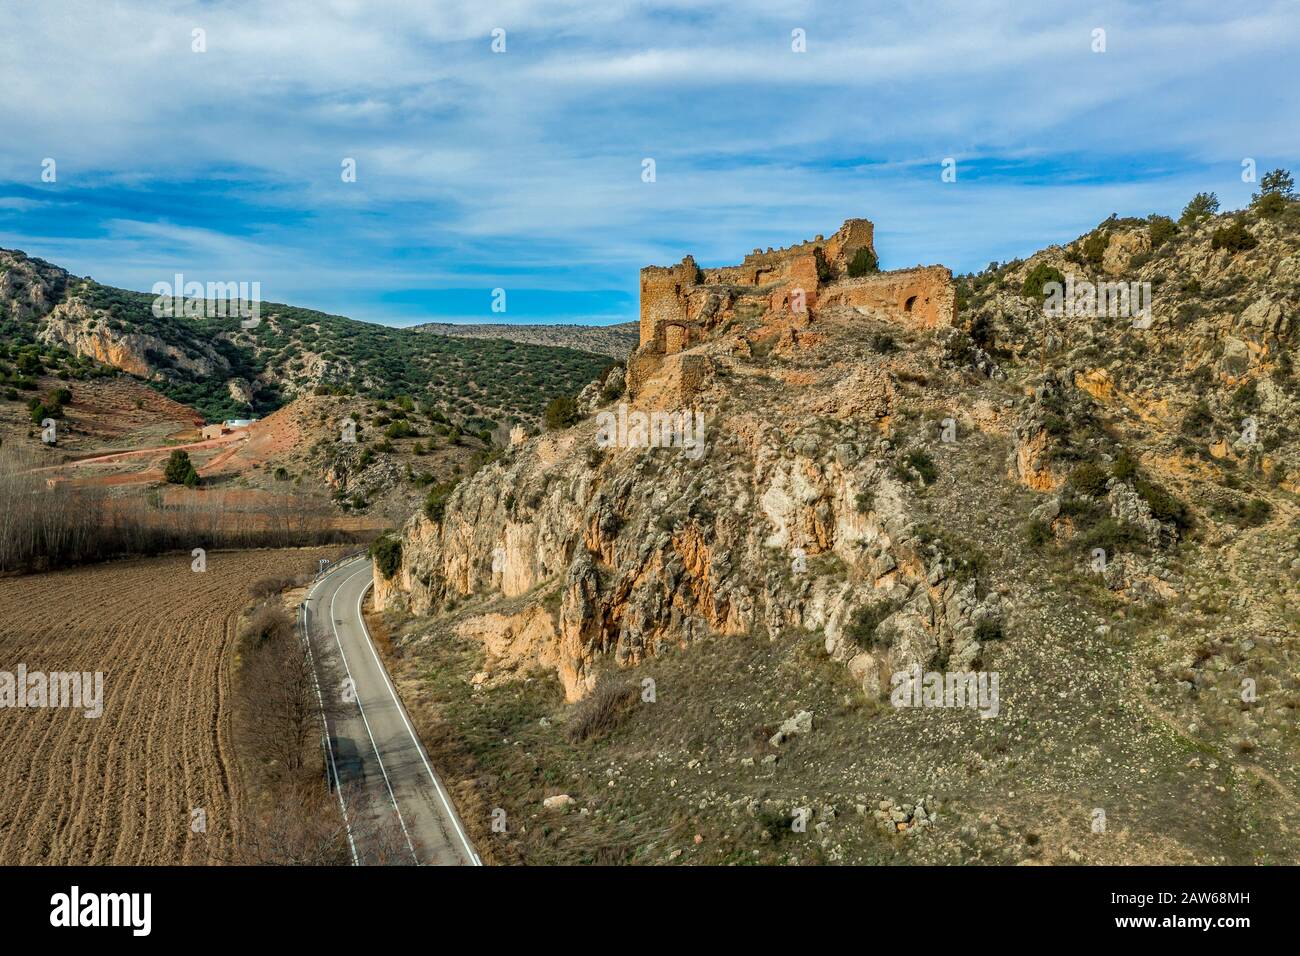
(397,809)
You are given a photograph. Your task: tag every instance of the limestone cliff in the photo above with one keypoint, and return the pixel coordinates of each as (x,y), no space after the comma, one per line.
(775,504)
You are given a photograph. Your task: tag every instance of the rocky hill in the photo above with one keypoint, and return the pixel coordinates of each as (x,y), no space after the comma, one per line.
(616,341)
(224,369)
(709,634)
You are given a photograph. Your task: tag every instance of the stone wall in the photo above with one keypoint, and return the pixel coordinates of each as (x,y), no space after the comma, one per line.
(663,298)
(924,295)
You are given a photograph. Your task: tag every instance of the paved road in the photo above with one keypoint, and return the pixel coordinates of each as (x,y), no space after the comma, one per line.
(397,809)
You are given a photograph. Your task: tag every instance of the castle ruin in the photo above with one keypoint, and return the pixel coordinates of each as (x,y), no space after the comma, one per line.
(684,305)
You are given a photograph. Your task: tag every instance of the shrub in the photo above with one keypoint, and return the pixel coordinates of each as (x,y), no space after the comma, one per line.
(1202,206)
(612,386)
(180,470)
(435,502)
(1039,276)
(864,500)
(1164,506)
(268,623)
(1270,205)
(1111,536)
(1093,248)
(989,629)
(1257,512)
(265,587)
(861,628)
(921,462)
(601,711)
(1088,479)
(1037,533)
(1234,237)
(1198,421)
(883,343)
(399,429)
(1160,229)
(281,474)
(561,412)
(864,263)
(387,555)
(60,396)
(1125,467)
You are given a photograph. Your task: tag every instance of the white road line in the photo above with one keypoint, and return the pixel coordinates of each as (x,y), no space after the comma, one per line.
(442,795)
(387,782)
(329,749)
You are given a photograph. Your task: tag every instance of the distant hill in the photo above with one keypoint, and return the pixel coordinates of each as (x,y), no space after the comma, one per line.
(51,321)
(615,341)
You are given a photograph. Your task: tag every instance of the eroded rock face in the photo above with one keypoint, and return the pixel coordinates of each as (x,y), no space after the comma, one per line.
(792,517)
(84,332)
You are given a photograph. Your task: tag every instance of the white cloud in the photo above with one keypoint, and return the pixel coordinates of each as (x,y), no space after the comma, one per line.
(475,164)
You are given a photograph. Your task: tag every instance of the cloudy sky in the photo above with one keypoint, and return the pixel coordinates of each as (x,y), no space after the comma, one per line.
(523,169)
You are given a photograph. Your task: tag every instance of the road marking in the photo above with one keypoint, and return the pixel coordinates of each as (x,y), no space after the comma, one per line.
(373,744)
(338,787)
(451,812)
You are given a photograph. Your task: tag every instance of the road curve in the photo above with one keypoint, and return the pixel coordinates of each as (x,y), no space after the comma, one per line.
(397,809)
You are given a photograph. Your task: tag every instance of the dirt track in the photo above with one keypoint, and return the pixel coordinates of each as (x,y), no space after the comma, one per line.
(120,788)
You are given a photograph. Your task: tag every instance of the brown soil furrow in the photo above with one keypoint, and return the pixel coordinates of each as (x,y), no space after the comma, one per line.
(120,788)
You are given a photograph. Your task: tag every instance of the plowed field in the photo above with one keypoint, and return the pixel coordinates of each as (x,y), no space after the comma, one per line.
(122,788)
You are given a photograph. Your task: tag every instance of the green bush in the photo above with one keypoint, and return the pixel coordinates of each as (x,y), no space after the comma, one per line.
(1198,421)
(1270,205)
(1088,479)
(864,263)
(1093,248)
(1037,533)
(1160,229)
(1234,237)
(1202,206)
(1125,467)
(561,412)
(180,470)
(1111,536)
(400,429)
(861,628)
(1257,512)
(612,386)
(387,555)
(1164,506)
(1039,276)
(924,465)
(435,502)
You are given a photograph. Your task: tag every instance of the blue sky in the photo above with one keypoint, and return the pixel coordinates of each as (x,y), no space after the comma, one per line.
(522,170)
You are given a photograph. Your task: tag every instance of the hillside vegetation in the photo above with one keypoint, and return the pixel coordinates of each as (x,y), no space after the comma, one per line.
(52,320)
